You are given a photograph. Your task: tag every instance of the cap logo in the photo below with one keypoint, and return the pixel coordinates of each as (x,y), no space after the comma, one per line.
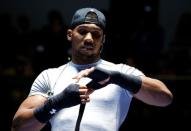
(91,17)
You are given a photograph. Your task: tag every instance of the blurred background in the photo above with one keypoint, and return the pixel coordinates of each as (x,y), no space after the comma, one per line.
(152,35)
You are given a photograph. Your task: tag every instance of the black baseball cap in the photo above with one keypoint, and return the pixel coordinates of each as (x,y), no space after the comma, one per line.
(88,15)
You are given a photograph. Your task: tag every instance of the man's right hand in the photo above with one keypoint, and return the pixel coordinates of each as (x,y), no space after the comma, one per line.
(73,95)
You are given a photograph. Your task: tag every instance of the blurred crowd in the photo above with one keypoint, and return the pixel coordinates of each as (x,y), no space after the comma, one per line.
(25,52)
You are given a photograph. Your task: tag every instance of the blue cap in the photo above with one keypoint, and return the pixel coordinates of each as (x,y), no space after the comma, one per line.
(88,15)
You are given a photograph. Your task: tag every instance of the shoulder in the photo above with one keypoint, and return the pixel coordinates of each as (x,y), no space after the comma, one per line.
(106,64)
(121,67)
(54,71)
(51,73)
(124,68)
(45,81)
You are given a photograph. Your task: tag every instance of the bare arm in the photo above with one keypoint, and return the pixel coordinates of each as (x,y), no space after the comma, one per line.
(151,91)
(24,119)
(154,92)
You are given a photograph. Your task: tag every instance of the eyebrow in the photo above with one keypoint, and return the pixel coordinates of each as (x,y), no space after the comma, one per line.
(92,27)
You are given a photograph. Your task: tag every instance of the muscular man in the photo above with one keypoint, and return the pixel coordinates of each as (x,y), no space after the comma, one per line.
(106,88)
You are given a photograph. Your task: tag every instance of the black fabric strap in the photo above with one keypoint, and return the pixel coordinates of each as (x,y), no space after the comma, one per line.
(130,82)
(67,98)
(81,112)
(94,85)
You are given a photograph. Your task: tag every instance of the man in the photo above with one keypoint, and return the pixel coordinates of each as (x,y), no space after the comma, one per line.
(59,95)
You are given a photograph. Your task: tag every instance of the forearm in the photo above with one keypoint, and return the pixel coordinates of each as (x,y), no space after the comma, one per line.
(148,90)
(154,92)
(129,82)
(25,121)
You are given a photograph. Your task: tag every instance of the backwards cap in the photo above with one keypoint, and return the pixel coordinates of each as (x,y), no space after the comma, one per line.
(88,15)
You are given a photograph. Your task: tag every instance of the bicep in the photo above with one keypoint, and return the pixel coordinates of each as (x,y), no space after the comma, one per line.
(30,103)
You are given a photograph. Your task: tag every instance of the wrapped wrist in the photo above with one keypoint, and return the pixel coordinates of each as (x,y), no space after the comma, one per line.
(67,98)
(129,82)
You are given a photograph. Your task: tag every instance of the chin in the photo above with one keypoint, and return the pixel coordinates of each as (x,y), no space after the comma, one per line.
(87,52)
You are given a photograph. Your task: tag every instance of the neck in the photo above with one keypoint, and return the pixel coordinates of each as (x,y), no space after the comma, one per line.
(85,60)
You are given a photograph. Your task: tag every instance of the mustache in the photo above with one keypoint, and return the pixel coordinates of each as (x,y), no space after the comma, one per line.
(88,45)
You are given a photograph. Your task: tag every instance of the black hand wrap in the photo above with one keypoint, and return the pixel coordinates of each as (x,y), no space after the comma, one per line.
(94,85)
(67,98)
(129,82)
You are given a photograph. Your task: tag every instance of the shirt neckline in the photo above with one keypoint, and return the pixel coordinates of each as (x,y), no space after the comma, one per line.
(84,66)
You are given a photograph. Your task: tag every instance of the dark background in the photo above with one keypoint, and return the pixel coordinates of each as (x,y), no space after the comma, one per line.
(152,35)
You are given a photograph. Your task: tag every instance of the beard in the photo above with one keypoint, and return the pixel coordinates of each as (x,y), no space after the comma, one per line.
(86,56)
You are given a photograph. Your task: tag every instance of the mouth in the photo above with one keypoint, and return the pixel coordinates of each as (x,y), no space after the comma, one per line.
(87,50)
(88,46)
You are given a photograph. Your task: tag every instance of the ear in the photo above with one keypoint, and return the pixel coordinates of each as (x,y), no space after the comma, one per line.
(103,40)
(101,48)
(69,34)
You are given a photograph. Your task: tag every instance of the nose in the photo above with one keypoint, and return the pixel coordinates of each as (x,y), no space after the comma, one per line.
(88,38)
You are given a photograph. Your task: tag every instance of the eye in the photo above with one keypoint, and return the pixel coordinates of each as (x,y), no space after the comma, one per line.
(96,34)
(82,32)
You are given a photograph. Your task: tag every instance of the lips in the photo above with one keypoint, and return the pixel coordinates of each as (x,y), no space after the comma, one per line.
(88,47)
